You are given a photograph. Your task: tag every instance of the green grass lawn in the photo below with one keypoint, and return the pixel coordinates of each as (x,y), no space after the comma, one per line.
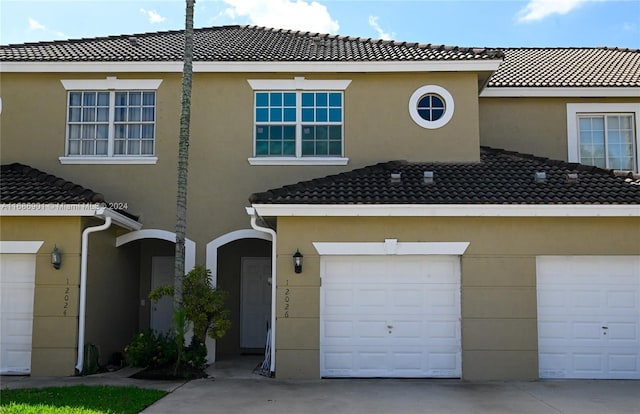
(79,399)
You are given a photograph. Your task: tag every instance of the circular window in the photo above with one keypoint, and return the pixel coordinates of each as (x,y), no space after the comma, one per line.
(431,106)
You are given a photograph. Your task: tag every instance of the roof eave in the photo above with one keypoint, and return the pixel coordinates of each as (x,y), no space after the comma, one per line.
(447,210)
(559,92)
(254,67)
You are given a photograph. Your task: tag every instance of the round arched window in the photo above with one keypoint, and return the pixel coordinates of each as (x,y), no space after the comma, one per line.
(431,106)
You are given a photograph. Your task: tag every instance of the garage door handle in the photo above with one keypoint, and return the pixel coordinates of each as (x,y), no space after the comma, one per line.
(605,327)
(390,326)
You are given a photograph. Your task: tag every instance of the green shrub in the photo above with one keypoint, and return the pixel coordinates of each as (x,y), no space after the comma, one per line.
(196,354)
(151,349)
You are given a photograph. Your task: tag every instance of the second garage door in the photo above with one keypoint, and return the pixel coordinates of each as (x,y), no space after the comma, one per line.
(589,317)
(390,316)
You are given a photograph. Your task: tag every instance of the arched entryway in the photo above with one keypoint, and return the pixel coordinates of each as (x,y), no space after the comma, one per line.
(240,263)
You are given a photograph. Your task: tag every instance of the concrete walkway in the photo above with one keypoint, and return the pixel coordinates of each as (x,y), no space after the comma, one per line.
(234,389)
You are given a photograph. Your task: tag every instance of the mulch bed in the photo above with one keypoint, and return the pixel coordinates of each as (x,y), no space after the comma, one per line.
(167,372)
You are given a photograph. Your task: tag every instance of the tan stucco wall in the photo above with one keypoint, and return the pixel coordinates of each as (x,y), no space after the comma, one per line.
(531,125)
(378,128)
(499,315)
(55,314)
(112,293)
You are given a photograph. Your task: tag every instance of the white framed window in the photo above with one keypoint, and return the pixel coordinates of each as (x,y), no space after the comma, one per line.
(431,106)
(298,122)
(110,121)
(604,135)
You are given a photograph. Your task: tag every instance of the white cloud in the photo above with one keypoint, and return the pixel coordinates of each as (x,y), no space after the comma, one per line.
(35,25)
(540,9)
(284,14)
(153,16)
(373,22)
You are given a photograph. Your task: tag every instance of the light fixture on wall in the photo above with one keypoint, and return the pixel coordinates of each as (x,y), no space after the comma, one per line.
(297,261)
(56,257)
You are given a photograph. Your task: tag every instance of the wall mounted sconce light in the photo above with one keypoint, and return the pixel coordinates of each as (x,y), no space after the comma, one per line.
(56,257)
(297,261)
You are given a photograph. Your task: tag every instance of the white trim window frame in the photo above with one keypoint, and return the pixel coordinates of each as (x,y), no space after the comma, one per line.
(423,108)
(611,124)
(298,122)
(110,121)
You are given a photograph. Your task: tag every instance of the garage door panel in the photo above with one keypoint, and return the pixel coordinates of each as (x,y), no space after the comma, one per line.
(17,283)
(589,317)
(404,317)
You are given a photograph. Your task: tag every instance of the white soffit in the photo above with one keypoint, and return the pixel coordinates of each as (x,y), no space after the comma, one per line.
(558,92)
(257,67)
(20,246)
(446,210)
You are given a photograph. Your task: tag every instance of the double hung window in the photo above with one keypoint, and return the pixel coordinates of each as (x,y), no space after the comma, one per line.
(110,121)
(604,135)
(298,122)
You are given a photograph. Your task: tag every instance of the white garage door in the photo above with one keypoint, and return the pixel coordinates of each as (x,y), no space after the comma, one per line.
(390,316)
(17,281)
(589,317)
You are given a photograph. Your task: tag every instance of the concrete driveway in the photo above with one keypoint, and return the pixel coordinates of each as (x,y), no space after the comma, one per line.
(372,396)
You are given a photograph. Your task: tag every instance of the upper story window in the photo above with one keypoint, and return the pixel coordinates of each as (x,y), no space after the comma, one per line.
(298,122)
(110,121)
(604,135)
(431,106)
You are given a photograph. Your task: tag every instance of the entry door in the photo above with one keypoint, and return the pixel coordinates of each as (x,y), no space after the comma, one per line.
(162,273)
(589,317)
(390,316)
(17,284)
(255,299)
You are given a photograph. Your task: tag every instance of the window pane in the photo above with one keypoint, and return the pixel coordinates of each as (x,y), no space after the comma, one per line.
(74,147)
(275,132)
(307,99)
(135,115)
(149,98)
(290,99)
(262,99)
(322,132)
(74,114)
(262,132)
(88,115)
(275,148)
(307,115)
(335,148)
(289,132)
(133,132)
(335,99)
(335,115)
(275,99)
(121,98)
(322,99)
(75,98)
(289,148)
(335,132)
(322,148)
(88,147)
(120,114)
(308,133)
(101,147)
(120,131)
(88,132)
(147,131)
(308,148)
(103,99)
(275,115)
(89,99)
(133,147)
(262,115)
(135,98)
(147,147)
(148,114)
(74,131)
(102,131)
(103,115)
(290,114)
(262,148)
(119,147)
(321,115)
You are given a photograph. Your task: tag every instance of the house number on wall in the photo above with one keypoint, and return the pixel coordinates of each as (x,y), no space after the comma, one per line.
(287,299)
(67,292)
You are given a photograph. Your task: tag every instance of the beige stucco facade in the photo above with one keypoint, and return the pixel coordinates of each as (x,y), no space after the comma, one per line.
(498,280)
(532,125)
(377,128)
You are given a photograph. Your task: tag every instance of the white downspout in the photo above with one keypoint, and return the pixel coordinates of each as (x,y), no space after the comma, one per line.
(252,212)
(83,287)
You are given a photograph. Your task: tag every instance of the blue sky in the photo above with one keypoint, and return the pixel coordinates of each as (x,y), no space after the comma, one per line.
(452,22)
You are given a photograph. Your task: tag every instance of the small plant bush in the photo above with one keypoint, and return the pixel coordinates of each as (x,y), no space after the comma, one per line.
(196,354)
(151,349)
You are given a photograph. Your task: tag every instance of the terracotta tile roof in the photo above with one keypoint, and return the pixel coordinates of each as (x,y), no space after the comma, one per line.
(501,177)
(568,67)
(237,43)
(20,183)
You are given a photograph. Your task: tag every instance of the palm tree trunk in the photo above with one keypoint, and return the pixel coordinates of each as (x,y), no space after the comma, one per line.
(183,157)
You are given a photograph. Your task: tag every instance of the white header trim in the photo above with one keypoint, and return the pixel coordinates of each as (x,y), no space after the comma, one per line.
(298,83)
(82,160)
(389,247)
(573,109)
(110,83)
(447,210)
(498,92)
(189,245)
(298,161)
(256,67)
(20,246)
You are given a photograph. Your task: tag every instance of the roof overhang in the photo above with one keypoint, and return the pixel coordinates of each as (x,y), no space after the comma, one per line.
(446,210)
(68,210)
(254,67)
(559,92)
